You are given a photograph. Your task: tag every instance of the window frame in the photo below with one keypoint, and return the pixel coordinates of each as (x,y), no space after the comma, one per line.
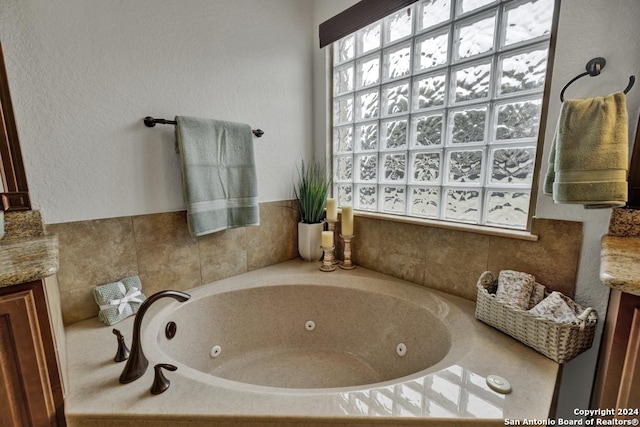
(495,56)
(15,192)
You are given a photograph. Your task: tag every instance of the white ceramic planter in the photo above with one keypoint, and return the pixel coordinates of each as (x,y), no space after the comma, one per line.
(310,241)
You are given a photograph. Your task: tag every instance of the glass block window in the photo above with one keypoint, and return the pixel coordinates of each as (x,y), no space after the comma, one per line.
(436,110)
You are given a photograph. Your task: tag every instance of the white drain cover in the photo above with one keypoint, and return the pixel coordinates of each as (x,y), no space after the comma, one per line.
(498,384)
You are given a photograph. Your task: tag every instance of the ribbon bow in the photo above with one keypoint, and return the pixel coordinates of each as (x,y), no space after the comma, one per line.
(124,303)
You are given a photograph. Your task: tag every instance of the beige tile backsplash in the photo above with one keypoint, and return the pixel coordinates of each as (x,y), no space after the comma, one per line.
(160,250)
(452,261)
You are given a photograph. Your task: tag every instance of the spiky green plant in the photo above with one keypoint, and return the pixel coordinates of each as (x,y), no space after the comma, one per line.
(311,192)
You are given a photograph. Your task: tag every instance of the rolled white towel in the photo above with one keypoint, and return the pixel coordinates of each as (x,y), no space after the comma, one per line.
(537,294)
(555,308)
(515,288)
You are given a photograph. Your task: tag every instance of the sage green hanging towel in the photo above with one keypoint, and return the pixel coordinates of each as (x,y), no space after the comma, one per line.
(589,156)
(218,174)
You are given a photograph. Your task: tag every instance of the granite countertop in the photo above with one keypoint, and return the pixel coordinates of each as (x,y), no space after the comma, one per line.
(27,259)
(620,263)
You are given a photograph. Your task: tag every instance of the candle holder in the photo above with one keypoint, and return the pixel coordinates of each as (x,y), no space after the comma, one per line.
(347,264)
(328,259)
(331,226)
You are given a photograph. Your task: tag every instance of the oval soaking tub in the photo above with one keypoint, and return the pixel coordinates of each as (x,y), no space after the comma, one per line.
(310,335)
(290,345)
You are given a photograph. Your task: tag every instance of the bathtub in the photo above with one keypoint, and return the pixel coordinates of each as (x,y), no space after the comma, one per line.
(290,345)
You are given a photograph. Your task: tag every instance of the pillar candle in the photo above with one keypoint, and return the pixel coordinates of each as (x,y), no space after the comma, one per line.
(327,239)
(347,220)
(332,209)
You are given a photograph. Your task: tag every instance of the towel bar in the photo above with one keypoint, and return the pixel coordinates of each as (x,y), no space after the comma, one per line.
(151,122)
(594,67)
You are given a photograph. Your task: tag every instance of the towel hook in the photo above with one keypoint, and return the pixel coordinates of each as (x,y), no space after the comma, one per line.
(594,67)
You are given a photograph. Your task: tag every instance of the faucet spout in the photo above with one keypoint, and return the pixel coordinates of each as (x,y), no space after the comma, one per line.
(137,362)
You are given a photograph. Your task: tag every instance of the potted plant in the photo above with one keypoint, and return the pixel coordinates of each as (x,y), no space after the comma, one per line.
(311,192)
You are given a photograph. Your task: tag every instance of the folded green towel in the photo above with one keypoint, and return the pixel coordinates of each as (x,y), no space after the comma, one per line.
(218,174)
(119,300)
(589,155)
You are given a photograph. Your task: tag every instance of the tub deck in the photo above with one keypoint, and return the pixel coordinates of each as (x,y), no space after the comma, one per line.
(448,395)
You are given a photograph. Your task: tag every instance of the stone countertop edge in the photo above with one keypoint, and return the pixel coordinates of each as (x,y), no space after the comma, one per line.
(27,259)
(620,263)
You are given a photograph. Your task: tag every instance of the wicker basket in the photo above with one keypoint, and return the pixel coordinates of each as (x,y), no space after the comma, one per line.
(560,342)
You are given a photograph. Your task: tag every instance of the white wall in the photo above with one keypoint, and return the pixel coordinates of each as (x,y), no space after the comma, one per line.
(587,28)
(83,74)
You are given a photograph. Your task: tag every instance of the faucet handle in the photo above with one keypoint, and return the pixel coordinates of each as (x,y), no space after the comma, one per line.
(123,352)
(160,382)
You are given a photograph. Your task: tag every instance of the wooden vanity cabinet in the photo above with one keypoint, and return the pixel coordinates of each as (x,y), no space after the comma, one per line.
(30,387)
(618,376)
(617,383)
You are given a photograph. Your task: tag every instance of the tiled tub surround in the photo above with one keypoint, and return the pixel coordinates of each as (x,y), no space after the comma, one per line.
(159,249)
(452,261)
(452,392)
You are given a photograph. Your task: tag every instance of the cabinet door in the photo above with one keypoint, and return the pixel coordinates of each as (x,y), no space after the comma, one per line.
(629,392)
(24,379)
